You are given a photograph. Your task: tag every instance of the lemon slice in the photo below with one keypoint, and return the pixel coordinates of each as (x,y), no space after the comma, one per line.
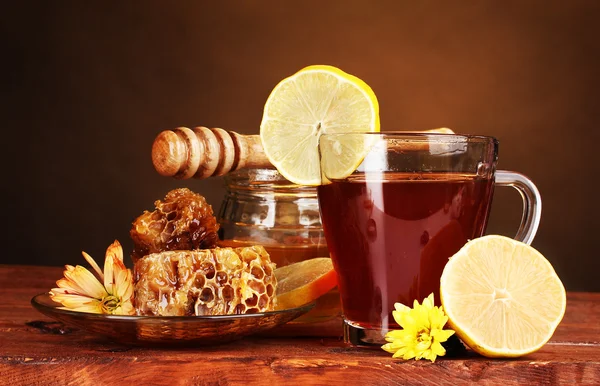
(502,297)
(304,282)
(317,100)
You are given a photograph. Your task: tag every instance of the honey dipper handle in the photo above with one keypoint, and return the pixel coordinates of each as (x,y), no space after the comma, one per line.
(201,152)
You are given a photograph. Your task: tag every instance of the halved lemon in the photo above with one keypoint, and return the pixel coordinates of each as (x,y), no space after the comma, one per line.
(317,100)
(304,282)
(502,297)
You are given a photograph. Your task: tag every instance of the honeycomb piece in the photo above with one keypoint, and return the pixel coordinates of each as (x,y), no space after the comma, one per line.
(182,221)
(220,281)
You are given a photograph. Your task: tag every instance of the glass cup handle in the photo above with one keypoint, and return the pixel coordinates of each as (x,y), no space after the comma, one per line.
(532,203)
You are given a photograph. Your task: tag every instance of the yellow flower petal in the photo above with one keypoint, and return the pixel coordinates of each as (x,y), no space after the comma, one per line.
(429,355)
(125,287)
(401,307)
(109,278)
(438,349)
(93,308)
(395,334)
(115,250)
(428,301)
(122,280)
(442,335)
(409,353)
(116,274)
(86,281)
(55,291)
(423,317)
(70,286)
(94,265)
(114,257)
(400,352)
(74,301)
(437,318)
(404,319)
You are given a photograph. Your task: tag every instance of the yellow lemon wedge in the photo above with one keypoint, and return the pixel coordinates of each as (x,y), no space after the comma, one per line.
(502,297)
(317,100)
(304,282)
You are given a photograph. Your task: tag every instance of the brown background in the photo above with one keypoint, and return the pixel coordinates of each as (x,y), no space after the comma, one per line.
(86,86)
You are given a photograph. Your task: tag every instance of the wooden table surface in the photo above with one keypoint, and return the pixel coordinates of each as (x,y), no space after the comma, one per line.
(36,351)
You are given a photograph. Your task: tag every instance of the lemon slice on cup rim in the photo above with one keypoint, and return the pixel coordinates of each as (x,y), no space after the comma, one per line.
(318,100)
(502,297)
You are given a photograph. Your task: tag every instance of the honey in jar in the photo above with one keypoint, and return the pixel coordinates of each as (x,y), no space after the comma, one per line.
(262,207)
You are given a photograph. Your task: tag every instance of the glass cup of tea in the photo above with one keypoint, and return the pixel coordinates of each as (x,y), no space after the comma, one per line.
(394,214)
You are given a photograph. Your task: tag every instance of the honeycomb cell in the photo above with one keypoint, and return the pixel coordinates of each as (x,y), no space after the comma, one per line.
(209,269)
(199,281)
(270,290)
(257,272)
(221,277)
(268,270)
(257,287)
(228,293)
(206,295)
(251,301)
(263,301)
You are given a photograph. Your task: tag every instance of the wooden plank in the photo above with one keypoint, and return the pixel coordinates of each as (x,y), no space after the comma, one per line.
(283,361)
(35,350)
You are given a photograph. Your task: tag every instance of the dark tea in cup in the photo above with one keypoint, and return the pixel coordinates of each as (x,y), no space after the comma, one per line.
(393,223)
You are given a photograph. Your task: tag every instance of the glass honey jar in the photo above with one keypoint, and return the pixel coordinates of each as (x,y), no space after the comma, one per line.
(261,207)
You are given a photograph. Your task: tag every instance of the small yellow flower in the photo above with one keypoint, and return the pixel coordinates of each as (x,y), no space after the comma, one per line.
(422,331)
(80,290)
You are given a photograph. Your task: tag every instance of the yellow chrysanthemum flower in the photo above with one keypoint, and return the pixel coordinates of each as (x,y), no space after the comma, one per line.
(422,331)
(80,290)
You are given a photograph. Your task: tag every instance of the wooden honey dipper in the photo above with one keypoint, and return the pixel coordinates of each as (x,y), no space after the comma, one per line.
(202,152)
